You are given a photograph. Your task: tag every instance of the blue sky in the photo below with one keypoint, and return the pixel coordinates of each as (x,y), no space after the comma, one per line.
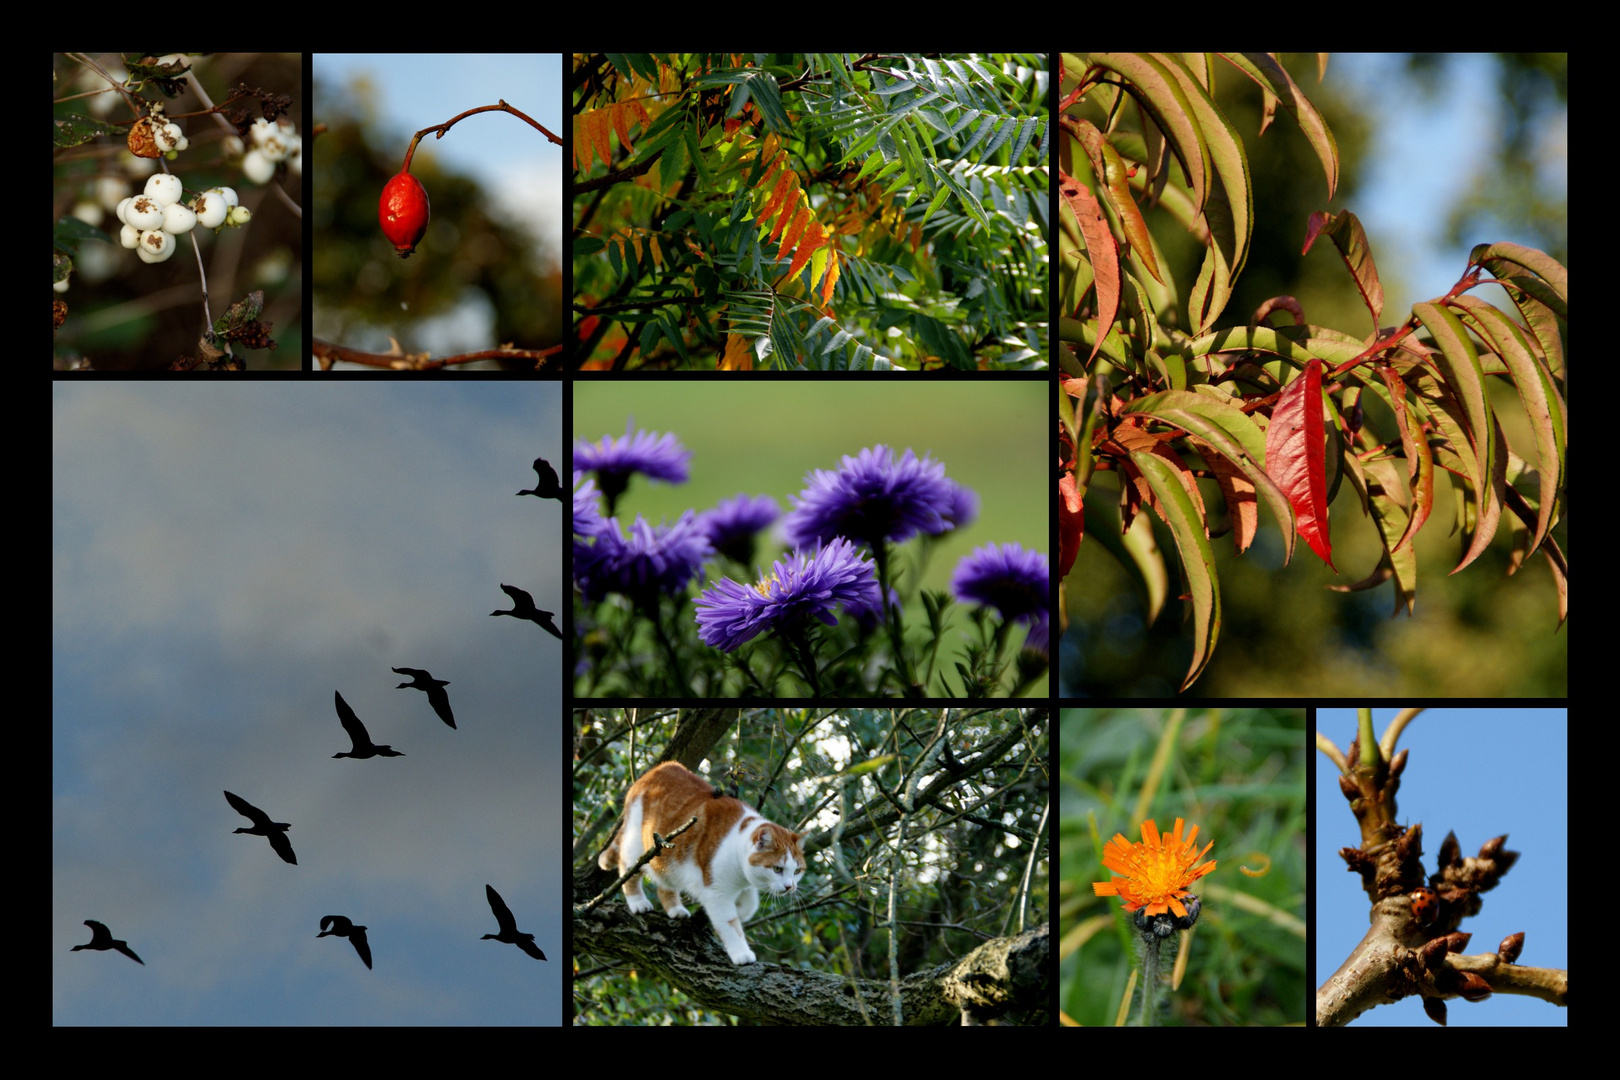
(1424,152)
(1480,773)
(222,562)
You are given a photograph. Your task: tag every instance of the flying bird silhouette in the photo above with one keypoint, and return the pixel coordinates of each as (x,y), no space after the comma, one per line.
(363,746)
(275,831)
(523,608)
(547,486)
(344,928)
(422,680)
(509,931)
(101,939)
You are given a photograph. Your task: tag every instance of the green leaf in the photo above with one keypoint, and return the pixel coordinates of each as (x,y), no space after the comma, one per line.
(1345,230)
(1197,560)
(1543,405)
(1231,432)
(1264,69)
(1460,370)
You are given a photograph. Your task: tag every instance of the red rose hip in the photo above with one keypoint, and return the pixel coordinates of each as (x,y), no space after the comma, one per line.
(403,212)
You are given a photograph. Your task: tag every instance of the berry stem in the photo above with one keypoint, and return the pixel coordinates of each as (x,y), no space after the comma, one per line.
(440,129)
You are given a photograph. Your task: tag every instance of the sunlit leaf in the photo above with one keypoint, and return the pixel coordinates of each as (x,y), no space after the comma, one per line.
(1100,247)
(1264,69)
(1295,444)
(1345,231)
(1543,405)
(1197,559)
(1458,363)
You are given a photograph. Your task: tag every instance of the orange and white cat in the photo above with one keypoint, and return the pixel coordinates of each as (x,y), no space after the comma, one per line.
(723,862)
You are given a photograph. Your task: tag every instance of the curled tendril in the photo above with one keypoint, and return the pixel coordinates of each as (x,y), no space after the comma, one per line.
(1261,857)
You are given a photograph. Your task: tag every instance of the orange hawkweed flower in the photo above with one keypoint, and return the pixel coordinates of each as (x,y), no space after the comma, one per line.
(1156,871)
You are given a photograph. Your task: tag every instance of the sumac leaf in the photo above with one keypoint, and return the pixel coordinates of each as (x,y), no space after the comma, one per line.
(1295,458)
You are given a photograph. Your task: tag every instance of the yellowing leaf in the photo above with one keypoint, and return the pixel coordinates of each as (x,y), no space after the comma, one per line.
(778,196)
(784,218)
(597,127)
(814,237)
(831,279)
(796,230)
(739,354)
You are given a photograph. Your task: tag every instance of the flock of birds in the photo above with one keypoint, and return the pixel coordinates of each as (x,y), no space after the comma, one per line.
(101,939)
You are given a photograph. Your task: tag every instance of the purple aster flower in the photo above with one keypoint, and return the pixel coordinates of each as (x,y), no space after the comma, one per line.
(807,584)
(964,508)
(651,561)
(733,524)
(658,457)
(873,497)
(587,506)
(1039,638)
(1015,582)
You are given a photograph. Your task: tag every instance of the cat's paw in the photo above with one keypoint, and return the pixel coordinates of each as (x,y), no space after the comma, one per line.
(742,956)
(639,905)
(679,911)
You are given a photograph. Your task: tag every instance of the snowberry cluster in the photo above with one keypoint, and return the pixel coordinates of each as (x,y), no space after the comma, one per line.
(272,143)
(152,136)
(152,220)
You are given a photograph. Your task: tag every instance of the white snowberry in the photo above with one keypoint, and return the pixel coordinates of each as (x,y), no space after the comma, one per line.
(211,209)
(239,215)
(258,167)
(178,219)
(229,194)
(164,187)
(156,245)
(130,237)
(123,204)
(168,137)
(144,212)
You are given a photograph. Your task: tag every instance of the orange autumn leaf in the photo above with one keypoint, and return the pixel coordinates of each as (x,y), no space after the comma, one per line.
(800,220)
(597,126)
(623,112)
(831,278)
(814,237)
(739,355)
(787,179)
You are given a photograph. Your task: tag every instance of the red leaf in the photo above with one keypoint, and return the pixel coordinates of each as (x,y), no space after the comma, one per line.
(1295,457)
(1071,523)
(1100,247)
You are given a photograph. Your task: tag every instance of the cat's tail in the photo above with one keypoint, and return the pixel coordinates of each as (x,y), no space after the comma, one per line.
(609,859)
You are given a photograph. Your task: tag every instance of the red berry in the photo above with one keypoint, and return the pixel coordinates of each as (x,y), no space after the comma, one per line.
(403,212)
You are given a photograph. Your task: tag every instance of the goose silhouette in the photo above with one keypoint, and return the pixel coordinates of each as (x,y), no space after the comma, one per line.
(509,931)
(275,831)
(422,680)
(523,608)
(101,939)
(363,746)
(547,486)
(342,927)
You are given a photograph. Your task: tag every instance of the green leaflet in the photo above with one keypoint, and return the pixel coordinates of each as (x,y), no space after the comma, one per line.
(1197,560)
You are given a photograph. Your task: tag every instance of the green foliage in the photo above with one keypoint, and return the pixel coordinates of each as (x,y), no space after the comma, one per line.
(1164,397)
(811,212)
